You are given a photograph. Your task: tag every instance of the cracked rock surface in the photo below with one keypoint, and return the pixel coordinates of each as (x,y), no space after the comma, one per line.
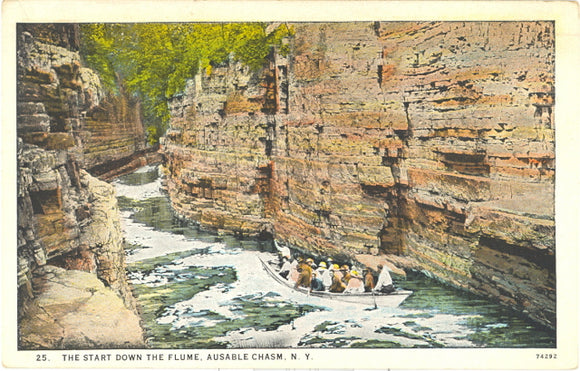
(75,310)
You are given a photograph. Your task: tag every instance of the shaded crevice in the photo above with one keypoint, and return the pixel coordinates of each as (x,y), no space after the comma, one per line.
(539,258)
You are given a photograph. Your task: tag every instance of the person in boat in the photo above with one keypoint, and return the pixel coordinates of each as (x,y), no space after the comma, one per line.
(316,283)
(283,250)
(355,283)
(345,274)
(325,275)
(369,280)
(312,265)
(321,268)
(294,273)
(286,267)
(384,282)
(337,283)
(329,263)
(305,274)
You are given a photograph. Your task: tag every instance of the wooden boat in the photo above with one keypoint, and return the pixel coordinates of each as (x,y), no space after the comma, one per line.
(367,298)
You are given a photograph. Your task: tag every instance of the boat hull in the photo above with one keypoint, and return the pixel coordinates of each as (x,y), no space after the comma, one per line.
(393,299)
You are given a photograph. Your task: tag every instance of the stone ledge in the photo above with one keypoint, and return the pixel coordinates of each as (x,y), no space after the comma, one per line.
(74,310)
(50,141)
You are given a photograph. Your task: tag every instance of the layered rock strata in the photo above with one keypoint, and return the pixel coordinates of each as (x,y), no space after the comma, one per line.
(428,140)
(72,287)
(61,104)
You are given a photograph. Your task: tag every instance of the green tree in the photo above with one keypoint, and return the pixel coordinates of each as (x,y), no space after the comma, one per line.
(154,60)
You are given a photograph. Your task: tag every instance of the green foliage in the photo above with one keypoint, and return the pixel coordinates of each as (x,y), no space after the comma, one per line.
(152,135)
(154,60)
(97,47)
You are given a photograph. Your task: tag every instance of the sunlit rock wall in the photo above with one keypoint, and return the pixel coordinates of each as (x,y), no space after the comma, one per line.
(218,150)
(479,201)
(430,140)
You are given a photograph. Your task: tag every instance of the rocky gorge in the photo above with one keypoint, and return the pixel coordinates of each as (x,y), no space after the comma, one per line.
(426,144)
(73,291)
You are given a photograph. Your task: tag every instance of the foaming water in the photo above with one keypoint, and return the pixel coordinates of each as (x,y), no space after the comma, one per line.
(200,291)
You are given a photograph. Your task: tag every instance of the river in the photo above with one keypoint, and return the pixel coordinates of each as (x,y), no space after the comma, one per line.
(200,290)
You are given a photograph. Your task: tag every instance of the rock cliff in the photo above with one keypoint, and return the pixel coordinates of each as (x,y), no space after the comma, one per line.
(72,287)
(429,142)
(61,104)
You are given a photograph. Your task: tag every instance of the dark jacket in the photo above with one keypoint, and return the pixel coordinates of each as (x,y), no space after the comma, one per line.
(316,284)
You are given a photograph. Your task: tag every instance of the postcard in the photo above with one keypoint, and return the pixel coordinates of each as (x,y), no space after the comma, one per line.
(290,185)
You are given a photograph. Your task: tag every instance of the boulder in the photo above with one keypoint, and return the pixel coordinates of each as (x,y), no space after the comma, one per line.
(74,310)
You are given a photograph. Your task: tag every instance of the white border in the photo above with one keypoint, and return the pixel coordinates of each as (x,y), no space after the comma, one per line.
(567,182)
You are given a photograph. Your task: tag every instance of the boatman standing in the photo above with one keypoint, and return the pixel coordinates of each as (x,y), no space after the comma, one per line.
(384,282)
(283,250)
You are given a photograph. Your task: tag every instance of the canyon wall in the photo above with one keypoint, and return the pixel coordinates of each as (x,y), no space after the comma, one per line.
(429,142)
(61,104)
(73,291)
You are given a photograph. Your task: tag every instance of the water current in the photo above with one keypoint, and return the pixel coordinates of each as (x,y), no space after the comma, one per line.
(200,290)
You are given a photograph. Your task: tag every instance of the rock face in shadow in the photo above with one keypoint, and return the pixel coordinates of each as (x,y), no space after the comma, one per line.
(72,287)
(428,140)
(61,104)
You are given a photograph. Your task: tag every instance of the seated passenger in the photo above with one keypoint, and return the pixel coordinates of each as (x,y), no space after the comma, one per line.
(321,268)
(305,275)
(311,263)
(316,283)
(369,280)
(329,263)
(384,282)
(337,284)
(345,274)
(286,267)
(325,275)
(355,284)
(293,276)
